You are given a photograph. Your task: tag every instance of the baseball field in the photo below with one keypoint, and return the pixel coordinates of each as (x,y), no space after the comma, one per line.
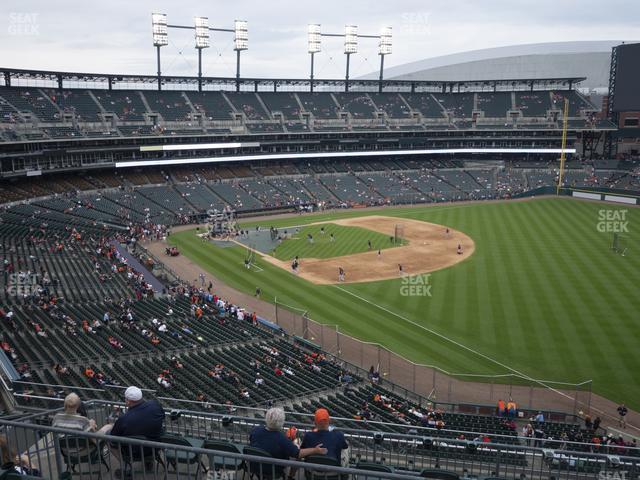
(538,289)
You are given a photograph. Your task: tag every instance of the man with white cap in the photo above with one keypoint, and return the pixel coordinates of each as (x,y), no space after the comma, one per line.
(144,418)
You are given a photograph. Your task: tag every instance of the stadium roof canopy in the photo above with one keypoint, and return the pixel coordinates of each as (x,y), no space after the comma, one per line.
(588,59)
(63,80)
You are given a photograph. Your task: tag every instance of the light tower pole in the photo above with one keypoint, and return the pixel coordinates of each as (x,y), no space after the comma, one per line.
(202,41)
(160,38)
(241,42)
(384,48)
(350,47)
(314,37)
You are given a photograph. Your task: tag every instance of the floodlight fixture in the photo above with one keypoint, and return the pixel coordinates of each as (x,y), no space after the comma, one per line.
(350,39)
(241,39)
(202,32)
(314,38)
(159,29)
(384,46)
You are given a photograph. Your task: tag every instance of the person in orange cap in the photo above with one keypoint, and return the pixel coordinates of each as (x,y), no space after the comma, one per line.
(331,439)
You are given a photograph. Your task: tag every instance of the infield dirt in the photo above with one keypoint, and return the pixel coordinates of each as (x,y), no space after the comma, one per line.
(429,248)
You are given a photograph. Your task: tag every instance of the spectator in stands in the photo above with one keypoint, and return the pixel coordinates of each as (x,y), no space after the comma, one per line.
(144,418)
(70,418)
(622,413)
(596,424)
(501,408)
(12,463)
(271,439)
(588,423)
(60,370)
(512,408)
(539,417)
(325,435)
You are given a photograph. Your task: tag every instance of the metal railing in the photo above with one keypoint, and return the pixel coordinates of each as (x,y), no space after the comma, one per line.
(184,451)
(428,383)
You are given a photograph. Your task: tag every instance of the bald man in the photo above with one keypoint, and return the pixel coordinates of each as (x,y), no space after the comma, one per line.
(71,419)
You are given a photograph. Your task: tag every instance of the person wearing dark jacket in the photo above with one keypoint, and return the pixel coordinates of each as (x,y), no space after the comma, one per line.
(143,418)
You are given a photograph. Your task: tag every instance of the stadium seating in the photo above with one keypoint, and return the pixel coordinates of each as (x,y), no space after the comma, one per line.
(172,106)
(460,105)
(284,103)
(168,199)
(29,114)
(249,105)
(350,189)
(577,103)
(425,104)
(235,195)
(494,105)
(392,104)
(533,104)
(32,101)
(321,105)
(77,102)
(359,105)
(127,105)
(212,105)
(200,196)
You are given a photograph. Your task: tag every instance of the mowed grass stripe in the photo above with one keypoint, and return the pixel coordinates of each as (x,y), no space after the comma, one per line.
(548,289)
(600,340)
(347,241)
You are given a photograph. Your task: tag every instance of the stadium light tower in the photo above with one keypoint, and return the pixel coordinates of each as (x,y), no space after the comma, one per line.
(202,41)
(160,36)
(384,48)
(314,39)
(350,46)
(241,42)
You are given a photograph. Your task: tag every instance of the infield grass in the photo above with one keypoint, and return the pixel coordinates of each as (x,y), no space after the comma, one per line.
(543,294)
(346,241)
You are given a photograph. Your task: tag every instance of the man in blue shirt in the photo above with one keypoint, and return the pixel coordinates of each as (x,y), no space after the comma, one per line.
(142,419)
(332,440)
(271,439)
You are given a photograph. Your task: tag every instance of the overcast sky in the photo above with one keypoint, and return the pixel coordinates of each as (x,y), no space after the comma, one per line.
(115,35)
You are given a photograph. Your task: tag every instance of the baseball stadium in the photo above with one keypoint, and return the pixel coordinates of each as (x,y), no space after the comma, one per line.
(430,272)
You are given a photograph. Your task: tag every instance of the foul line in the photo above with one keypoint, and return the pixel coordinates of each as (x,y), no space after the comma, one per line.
(486,357)
(456,343)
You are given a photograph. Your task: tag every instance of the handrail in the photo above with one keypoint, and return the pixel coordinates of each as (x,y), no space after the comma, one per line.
(236,456)
(413,431)
(389,436)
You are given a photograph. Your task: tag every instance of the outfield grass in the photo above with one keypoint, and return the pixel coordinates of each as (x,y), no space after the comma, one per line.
(347,241)
(542,294)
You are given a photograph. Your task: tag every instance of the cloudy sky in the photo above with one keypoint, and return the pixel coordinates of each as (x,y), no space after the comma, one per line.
(115,35)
